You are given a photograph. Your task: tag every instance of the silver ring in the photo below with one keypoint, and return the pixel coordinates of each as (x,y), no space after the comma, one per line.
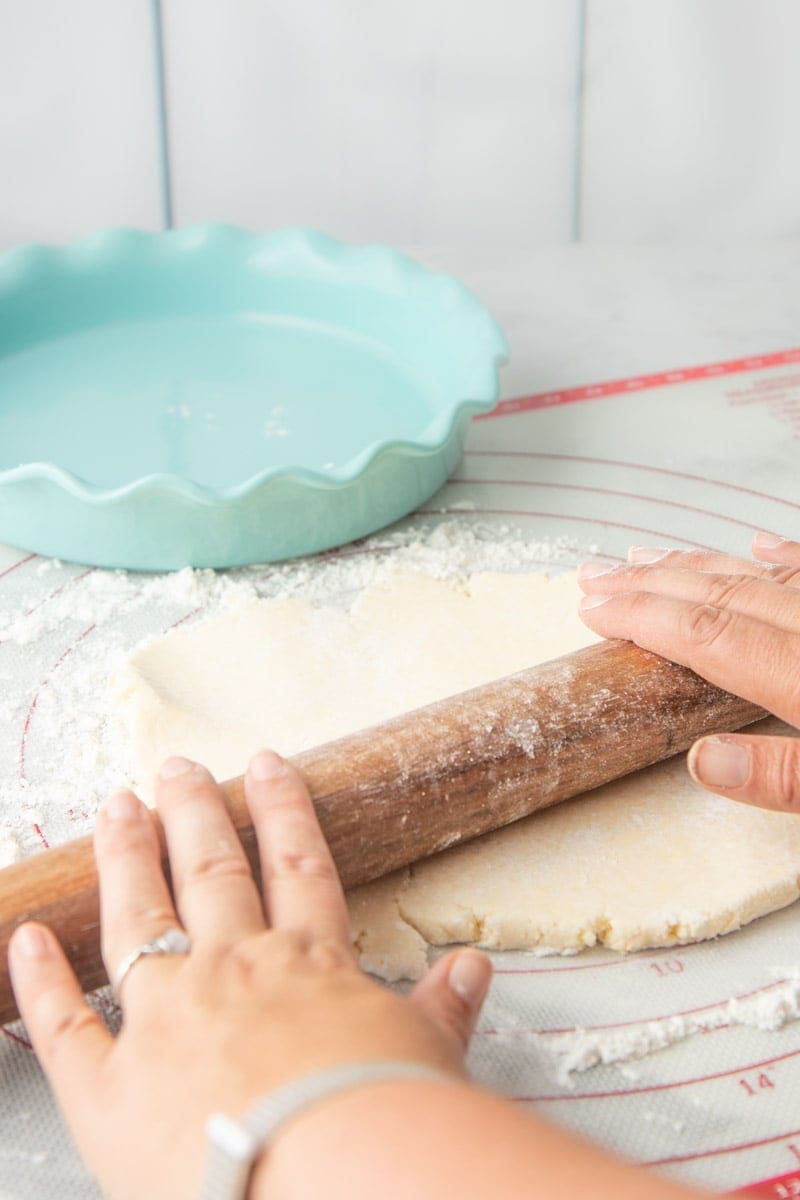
(172,941)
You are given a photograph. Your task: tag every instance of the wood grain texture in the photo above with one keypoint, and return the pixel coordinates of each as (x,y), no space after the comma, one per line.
(429,779)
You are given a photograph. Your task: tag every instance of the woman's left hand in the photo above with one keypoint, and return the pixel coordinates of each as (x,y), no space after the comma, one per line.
(268,992)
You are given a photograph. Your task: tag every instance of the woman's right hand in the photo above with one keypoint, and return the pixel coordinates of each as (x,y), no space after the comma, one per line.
(736,623)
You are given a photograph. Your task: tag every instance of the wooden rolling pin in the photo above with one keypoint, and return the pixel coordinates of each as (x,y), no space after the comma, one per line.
(427,780)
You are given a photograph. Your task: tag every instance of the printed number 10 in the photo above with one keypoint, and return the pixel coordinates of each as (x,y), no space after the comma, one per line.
(668,966)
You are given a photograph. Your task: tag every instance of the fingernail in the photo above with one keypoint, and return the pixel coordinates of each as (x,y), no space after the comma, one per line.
(594,601)
(720,763)
(592,570)
(469,976)
(31,941)
(768,541)
(646,554)
(174,767)
(266,764)
(123,806)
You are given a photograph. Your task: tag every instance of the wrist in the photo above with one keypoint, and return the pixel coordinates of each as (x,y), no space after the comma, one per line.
(354,1131)
(237,1145)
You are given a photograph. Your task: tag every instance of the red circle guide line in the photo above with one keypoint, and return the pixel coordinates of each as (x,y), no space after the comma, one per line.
(37,829)
(15,566)
(600,491)
(633,466)
(23,745)
(598,524)
(15,1037)
(622,960)
(622,1093)
(640,383)
(682,1158)
(52,595)
(182,620)
(685,1012)
(337,553)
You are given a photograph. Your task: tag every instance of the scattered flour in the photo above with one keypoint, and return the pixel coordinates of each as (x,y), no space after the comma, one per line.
(96,597)
(9,849)
(63,627)
(579,1050)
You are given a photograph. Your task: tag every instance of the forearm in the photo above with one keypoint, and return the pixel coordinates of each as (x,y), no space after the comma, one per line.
(437,1139)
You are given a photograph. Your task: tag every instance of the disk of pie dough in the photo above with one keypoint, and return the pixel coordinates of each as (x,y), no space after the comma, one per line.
(651,860)
(289,675)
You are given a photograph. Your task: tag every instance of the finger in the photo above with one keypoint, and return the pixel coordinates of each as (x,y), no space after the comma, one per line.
(135,903)
(723,564)
(736,652)
(214,888)
(770,548)
(765,599)
(694,560)
(71,1041)
(302,890)
(453,991)
(764,771)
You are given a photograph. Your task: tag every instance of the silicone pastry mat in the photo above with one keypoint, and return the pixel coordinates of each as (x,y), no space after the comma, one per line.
(702,457)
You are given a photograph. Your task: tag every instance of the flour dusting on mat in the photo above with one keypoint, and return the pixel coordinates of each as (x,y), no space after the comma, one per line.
(579,1050)
(64,627)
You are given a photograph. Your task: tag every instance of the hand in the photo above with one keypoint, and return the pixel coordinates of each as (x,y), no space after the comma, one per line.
(736,623)
(248,1009)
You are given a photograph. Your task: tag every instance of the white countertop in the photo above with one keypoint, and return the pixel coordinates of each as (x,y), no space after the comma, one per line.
(573,316)
(583,314)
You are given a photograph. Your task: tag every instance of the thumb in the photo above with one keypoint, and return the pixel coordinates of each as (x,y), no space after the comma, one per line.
(764,771)
(453,992)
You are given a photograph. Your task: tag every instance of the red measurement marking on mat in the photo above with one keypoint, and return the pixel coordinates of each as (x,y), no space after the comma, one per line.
(338,552)
(642,958)
(780,1187)
(756,1083)
(667,966)
(181,620)
(15,1037)
(633,466)
(23,746)
(38,831)
(15,566)
(735,1149)
(57,592)
(522,512)
(329,554)
(640,383)
(646,1089)
(684,1012)
(601,491)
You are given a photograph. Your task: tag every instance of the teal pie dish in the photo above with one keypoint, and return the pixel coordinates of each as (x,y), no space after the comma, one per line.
(210,397)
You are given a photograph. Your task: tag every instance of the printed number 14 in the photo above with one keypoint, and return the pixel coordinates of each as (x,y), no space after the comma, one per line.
(756,1084)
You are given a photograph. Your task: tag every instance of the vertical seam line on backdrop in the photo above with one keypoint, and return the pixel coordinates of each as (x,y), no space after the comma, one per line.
(160,70)
(580,90)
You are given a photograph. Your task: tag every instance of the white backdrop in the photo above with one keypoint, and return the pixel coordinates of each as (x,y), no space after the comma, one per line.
(418,122)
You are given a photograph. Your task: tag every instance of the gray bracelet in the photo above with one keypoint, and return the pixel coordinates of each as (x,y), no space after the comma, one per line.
(235,1145)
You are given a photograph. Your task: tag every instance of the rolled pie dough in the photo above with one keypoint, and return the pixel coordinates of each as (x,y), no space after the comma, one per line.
(651,860)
